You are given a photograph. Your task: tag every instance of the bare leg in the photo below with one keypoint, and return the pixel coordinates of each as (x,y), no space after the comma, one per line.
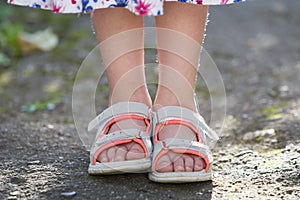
(125,72)
(177,73)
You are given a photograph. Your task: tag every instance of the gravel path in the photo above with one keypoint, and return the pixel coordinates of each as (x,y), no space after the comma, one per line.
(256,47)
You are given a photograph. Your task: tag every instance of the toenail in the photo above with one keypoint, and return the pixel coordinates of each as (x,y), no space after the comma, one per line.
(189,169)
(197,167)
(179,168)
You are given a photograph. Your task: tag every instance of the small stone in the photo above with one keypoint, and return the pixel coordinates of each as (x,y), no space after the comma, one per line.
(35,162)
(68,194)
(11,197)
(265,171)
(284,88)
(15,193)
(222,153)
(273,141)
(243,153)
(259,133)
(245,116)
(224,159)
(286,169)
(50,126)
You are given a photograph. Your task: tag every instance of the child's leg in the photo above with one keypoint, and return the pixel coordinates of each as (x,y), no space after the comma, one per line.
(125,74)
(177,75)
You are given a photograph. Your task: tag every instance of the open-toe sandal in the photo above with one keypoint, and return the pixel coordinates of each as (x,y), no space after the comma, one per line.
(103,140)
(181,116)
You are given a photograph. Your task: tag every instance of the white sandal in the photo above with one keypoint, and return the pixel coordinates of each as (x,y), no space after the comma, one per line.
(117,112)
(179,115)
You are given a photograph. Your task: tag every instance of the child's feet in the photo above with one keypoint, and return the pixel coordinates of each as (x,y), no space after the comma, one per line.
(174,162)
(180,152)
(122,144)
(132,150)
(128,151)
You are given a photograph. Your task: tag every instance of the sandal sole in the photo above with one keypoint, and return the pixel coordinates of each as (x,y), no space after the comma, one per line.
(180,177)
(123,167)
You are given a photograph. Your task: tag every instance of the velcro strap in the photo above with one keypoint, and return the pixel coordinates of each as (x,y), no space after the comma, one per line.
(128,134)
(172,143)
(115,136)
(175,112)
(119,109)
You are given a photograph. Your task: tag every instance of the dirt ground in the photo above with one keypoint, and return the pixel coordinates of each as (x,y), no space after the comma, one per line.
(256,46)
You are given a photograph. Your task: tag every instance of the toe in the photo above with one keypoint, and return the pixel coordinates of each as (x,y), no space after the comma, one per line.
(199,164)
(188,163)
(164,164)
(102,156)
(111,152)
(179,164)
(135,152)
(120,153)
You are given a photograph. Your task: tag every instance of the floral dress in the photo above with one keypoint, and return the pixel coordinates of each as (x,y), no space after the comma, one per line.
(139,7)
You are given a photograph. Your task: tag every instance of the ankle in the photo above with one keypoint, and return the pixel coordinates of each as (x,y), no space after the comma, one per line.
(140,95)
(166,98)
(162,103)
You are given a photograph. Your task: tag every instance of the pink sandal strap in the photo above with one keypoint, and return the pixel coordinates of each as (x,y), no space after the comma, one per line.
(121,137)
(121,108)
(113,114)
(183,147)
(182,116)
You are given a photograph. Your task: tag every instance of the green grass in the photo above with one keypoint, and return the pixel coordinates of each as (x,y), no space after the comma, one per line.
(16,19)
(41,105)
(9,31)
(273,112)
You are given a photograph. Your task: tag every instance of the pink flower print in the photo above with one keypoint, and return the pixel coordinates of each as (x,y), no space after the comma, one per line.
(56,8)
(73,1)
(199,2)
(224,1)
(142,8)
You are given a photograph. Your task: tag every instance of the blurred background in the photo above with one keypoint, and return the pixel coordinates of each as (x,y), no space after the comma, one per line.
(256,46)
(40,56)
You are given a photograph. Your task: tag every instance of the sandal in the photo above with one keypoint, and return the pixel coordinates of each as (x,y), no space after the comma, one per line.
(103,141)
(179,115)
